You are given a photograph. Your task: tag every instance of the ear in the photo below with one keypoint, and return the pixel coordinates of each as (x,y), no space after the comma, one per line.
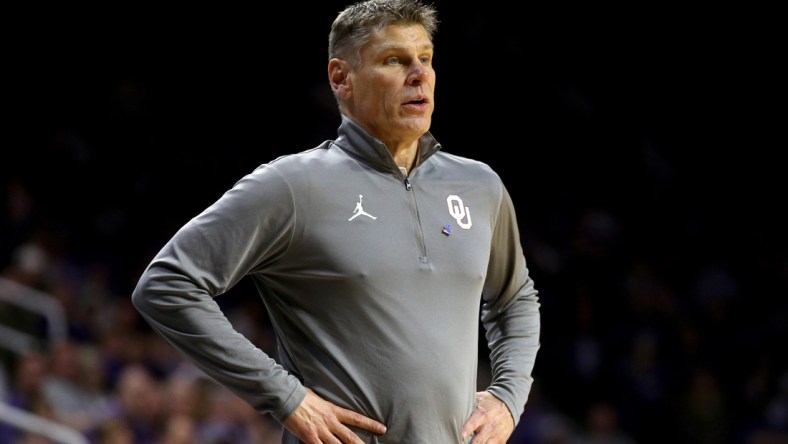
(339,78)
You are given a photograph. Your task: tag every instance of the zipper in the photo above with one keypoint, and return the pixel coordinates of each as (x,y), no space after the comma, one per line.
(419,230)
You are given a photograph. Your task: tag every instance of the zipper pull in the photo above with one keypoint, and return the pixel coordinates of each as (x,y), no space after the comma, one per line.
(408,186)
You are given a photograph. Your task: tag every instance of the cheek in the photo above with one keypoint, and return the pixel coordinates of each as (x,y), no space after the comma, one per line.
(431,80)
(370,93)
(369,99)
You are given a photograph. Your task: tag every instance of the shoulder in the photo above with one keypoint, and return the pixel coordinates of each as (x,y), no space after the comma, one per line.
(464,163)
(465,168)
(297,161)
(289,167)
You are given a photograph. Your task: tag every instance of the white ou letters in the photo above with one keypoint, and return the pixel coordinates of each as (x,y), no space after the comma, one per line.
(459,212)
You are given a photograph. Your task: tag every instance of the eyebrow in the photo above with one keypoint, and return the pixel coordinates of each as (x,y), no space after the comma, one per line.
(385,47)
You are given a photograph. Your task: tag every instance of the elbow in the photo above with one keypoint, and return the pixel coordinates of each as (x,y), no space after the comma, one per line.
(140,297)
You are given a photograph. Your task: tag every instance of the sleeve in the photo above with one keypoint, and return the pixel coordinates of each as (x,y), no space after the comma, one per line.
(510,313)
(243,230)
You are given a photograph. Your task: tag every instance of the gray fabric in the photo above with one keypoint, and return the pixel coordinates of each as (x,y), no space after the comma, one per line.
(377,313)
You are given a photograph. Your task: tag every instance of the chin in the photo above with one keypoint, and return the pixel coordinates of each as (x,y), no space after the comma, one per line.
(418,126)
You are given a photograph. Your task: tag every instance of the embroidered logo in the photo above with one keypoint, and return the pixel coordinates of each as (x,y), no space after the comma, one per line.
(359,210)
(459,212)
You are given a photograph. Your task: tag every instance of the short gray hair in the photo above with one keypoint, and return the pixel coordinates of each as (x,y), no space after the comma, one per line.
(355,24)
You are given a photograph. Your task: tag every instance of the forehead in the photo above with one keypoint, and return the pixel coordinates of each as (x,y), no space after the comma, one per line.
(399,37)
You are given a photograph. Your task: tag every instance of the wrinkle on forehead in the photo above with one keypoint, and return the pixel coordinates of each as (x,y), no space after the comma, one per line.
(400,37)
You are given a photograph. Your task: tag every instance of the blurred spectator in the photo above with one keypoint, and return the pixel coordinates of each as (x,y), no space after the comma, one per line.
(114,431)
(179,428)
(27,378)
(703,414)
(229,420)
(139,403)
(74,386)
(602,427)
(543,422)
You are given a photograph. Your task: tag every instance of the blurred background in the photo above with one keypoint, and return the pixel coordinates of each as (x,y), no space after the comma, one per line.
(640,145)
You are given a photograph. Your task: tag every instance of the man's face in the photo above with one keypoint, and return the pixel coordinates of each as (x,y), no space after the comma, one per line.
(393,91)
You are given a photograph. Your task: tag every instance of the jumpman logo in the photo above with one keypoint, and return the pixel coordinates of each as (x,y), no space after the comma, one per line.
(359,210)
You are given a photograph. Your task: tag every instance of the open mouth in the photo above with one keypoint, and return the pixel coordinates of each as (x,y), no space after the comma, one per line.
(416,101)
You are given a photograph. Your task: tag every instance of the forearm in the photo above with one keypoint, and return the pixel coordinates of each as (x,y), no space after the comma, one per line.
(190,320)
(513,339)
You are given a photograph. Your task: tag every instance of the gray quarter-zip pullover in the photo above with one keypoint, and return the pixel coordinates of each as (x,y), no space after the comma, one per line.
(372,280)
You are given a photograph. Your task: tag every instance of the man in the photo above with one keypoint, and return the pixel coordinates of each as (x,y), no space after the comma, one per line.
(372,254)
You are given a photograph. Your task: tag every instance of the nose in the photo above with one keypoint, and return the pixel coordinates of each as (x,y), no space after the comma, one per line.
(417,74)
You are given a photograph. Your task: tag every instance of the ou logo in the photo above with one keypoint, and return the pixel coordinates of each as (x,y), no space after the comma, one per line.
(459,212)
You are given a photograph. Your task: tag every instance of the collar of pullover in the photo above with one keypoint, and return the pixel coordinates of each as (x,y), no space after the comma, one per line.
(356,141)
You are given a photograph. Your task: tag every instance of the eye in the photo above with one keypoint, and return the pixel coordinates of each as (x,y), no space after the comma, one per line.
(392,61)
(425,60)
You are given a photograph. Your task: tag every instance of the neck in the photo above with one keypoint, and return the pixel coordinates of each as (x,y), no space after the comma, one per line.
(405,155)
